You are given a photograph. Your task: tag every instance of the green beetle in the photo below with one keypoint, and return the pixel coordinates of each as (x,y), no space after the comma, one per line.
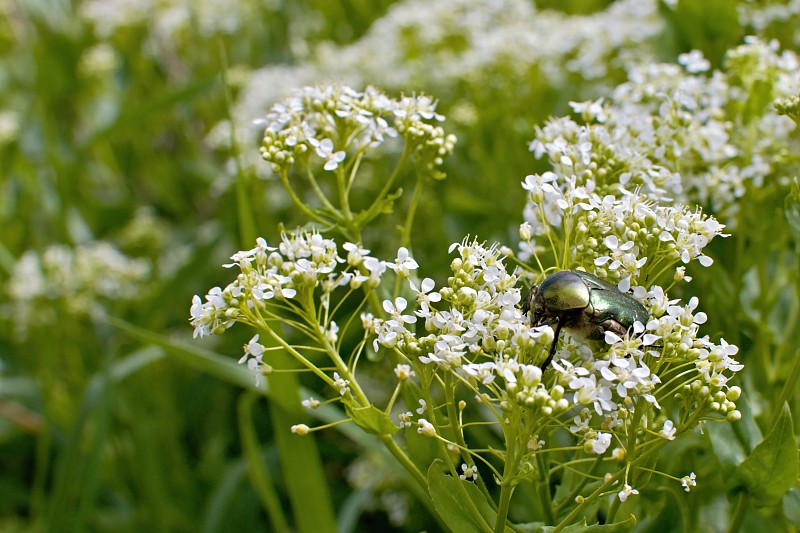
(583,304)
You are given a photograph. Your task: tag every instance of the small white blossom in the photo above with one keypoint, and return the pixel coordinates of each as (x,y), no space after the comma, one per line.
(601,443)
(300,429)
(626,491)
(688,482)
(403,372)
(406,419)
(668,431)
(425,428)
(470,472)
(310,403)
(340,384)
(422,406)
(404,263)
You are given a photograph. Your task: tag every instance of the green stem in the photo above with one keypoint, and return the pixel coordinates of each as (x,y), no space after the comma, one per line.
(298,202)
(405,237)
(247,224)
(259,475)
(543,489)
(506,490)
(297,355)
(318,191)
(739,512)
(446,456)
(790,387)
(508,482)
(577,490)
(374,209)
(458,433)
(404,460)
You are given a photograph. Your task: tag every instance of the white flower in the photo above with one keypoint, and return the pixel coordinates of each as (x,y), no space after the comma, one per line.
(535,443)
(601,443)
(396,311)
(626,491)
(406,419)
(425,428)
(340,384)
(688,482)
(424,294)
(403,372)
(300,429)
(470,472)
(355,254)
(694,62)
(253,354)
(668,431)
(422,406)
(324,149)
(403,263)
(310,403)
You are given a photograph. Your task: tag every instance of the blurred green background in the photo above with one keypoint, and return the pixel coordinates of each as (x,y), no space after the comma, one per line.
(124,126)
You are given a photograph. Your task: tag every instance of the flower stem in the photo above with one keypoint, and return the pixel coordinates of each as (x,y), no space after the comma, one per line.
(738,514)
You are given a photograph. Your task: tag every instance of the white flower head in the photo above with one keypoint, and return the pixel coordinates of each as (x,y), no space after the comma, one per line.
(470,472)
(626,491)
(689,481)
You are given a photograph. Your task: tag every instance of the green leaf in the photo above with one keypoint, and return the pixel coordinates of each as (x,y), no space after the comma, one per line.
(791,507)
(772,467)
(447,494)
(303,472)
(727,448)
(223,368)
(369,418)
(792,208)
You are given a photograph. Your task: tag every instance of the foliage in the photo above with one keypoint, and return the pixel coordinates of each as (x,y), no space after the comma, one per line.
(369,159)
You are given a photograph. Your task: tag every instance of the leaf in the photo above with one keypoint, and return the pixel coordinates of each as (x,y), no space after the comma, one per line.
(792,208)
(772,467)
(369,418)
(791,507)
(223,368)
(447,495)
(727,448)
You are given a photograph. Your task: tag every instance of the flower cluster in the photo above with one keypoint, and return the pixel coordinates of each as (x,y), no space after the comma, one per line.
(678,133)
(82,280)
(284,276)
(474,329)
(334,122)
(663,372)
(627,236)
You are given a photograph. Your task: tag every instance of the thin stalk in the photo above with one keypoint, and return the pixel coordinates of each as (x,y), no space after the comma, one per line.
(405,237)
(318,191)
(284,176)
(508,482)
(371,212)
(458,432)
(790,387)
(445,455)
(404,460)
(247,225)
(543,490)
(577,490)
(259,475)
(739,512)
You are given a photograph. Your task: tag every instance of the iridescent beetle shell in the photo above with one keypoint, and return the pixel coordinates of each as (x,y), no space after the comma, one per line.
(582,303)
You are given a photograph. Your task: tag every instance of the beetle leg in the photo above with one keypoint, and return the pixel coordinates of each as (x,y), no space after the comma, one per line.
(552,347)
